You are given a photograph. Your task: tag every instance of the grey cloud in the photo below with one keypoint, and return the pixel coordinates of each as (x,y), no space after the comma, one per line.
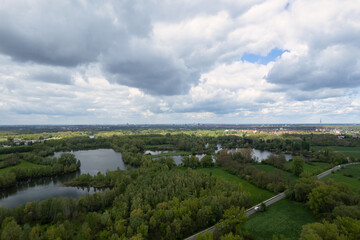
(219,105)
(150,70)
(62,33)
(317,94)
(333,67)
(74,33)
(52,76)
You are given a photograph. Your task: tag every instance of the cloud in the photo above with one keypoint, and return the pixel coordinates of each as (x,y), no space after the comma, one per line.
(59,76)
(64,33)
(151,70)
(326,54)
(179,61)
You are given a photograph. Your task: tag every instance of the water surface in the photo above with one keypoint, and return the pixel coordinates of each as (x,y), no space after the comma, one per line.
(92,162)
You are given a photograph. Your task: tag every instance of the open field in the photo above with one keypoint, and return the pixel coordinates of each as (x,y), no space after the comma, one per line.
(282,218)
(343,175)
(22,164)
(347,151)
(313,167)
(257,194)
(271,169)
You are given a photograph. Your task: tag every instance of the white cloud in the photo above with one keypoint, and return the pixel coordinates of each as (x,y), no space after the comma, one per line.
(178,61)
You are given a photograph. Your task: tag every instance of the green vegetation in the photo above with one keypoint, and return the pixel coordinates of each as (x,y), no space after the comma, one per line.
(347,151)
(273,170)
(313,168)
(350,175)
(298,166)
(22,164)
(257,195)
(66,163)
(159,147)
(282,218)
(169,154)
(159,200)
(149,202)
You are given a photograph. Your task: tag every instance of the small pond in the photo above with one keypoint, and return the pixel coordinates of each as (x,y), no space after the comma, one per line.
(260,155)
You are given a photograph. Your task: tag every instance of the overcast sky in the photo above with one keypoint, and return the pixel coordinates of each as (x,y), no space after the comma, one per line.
(179,61)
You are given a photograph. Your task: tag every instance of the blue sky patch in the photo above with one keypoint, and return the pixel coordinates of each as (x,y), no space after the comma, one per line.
(287,6)
(255,58)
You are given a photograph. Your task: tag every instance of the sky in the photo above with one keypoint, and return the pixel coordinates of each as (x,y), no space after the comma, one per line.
(179,61)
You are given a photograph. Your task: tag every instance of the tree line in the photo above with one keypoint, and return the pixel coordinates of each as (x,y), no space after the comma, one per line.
(66,163)
(151,202)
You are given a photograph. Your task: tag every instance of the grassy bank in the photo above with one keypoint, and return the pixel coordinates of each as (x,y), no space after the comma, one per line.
(257,194)
(282,218)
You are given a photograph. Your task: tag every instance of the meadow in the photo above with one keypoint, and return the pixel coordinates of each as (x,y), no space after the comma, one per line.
(347,151)
(350,175)
(282,218)
(257,194)
(312,167)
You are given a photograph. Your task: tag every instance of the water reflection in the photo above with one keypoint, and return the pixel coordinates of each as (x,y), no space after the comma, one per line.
(92,161)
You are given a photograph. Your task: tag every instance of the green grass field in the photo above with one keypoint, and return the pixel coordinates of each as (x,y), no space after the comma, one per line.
(347,151)
(257,194)
(271,169)
(22,164)
(282,218)
(313,168)
(339,176)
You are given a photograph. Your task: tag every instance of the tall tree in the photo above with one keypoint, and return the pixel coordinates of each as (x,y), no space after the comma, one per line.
(298,165)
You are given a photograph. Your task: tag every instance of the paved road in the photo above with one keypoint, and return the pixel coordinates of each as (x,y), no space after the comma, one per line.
(272,200)
(321,175)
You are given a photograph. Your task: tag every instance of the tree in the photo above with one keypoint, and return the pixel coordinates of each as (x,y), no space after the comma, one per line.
(170,162)
(207,161)
(206,236)
(11,231)
(231,236)
(324,198)
(342,228)
(232,221)
(298,165)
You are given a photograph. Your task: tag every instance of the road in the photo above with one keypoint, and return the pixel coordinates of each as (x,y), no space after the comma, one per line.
(272,200)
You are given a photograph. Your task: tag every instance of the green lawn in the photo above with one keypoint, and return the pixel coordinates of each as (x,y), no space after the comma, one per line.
(340,176)
(257,194)
(271,169)
(282,218)
(347,151)
(313,168)
(22,164)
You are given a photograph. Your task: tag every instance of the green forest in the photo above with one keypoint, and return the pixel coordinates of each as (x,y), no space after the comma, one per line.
(158,199)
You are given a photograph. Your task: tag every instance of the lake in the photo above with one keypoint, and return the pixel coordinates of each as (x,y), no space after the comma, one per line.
(92,162)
